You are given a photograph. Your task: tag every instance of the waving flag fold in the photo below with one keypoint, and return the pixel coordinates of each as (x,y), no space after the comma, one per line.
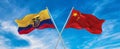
(30,22)
(80,20)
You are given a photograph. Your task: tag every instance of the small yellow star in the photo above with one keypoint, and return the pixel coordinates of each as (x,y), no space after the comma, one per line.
(75,14)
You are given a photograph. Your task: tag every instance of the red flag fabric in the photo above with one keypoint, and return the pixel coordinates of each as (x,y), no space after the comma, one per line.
(80,20)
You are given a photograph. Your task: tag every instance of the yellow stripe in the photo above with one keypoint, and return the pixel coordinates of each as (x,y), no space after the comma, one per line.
(43,15)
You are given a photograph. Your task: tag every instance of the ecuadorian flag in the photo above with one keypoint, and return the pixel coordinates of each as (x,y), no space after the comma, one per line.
(30,22)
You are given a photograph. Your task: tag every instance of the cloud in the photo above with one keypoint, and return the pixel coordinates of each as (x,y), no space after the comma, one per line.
(100,6)
(10,10)
(45,39)
(2,43)
(108,39)
(7,26)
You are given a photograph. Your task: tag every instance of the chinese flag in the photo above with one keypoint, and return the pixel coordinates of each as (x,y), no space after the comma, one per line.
(80,20)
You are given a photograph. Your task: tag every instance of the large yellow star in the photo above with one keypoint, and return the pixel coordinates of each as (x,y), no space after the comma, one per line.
(74,14)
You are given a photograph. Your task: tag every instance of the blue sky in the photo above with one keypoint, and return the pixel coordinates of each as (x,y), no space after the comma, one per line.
(60,10)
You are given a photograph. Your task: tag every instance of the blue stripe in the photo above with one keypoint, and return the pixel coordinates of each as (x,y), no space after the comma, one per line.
(24,28)
(47,21)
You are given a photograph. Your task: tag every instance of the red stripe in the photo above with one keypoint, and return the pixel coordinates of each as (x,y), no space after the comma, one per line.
(46,26)
(26,31)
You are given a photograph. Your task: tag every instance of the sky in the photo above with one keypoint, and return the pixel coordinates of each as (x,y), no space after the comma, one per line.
(109,10)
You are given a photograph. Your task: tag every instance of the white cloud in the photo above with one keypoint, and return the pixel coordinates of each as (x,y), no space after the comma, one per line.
(2,43)
(37,43)
(47,40)
(108,39)
(14,10)
(7,26)
(100,6)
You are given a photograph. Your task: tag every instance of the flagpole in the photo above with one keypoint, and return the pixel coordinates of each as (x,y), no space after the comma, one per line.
(64,27)
(57,31)
(67,20)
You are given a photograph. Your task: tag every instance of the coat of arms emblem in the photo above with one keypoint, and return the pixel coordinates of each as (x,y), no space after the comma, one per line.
(36,22)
